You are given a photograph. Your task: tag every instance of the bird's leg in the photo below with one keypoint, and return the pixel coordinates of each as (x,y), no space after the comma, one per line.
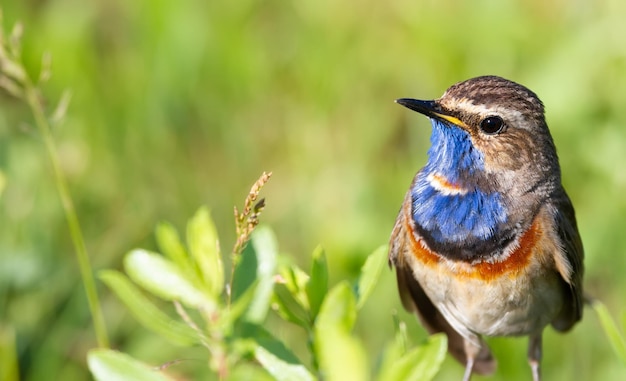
(469,366)
(534,355)
(472,349)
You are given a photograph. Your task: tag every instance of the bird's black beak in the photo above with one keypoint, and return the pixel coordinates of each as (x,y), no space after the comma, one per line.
(431,109)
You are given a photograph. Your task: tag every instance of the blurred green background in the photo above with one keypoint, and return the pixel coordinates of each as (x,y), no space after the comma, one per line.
(177,104)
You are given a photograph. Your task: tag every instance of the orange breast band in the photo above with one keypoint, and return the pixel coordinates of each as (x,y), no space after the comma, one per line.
(510,266)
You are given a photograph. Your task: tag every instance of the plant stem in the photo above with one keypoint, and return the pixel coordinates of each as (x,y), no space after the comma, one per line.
(32,98)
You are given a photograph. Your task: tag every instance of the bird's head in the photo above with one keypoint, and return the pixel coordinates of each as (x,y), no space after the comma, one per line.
(489,132)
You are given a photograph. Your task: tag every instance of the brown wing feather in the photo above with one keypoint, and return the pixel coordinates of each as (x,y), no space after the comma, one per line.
(572,248)
(414,299)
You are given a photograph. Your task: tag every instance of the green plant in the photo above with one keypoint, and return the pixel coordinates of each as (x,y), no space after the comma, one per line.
(16,81)
(613,334)
(232,311)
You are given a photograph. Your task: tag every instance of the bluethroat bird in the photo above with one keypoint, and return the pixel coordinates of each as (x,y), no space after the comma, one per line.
(486,241)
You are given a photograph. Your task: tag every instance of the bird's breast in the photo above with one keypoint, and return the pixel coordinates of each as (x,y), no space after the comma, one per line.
(510,262)
(513,293)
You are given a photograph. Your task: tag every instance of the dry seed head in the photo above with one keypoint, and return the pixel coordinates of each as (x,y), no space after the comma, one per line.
(254,191)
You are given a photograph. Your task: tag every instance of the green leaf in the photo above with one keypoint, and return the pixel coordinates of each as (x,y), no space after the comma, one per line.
(296,280)
(169,242)
(338,309)
(146,313)
(340,356)
(419,364)
(109,365)
(260,336)
(402,338)
(245,272)
(289,307)
(394,350)
(204,247)
(290,296)
(238,307)
(266,249)
(281,370)
(392,353)
(317,287)
(162,278)
(370,273)
(610,329)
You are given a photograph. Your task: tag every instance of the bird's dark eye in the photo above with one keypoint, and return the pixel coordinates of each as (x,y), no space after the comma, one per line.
(492,125)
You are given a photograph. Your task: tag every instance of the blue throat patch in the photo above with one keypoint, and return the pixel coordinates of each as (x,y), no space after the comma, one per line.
(454,217)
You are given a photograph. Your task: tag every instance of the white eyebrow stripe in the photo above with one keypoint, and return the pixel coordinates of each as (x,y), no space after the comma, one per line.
(509,115)
(481,109)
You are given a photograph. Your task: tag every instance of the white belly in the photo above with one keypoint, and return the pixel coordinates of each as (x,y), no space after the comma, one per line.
(505,306)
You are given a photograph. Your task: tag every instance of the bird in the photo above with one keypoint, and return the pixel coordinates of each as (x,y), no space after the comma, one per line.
(486,241)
